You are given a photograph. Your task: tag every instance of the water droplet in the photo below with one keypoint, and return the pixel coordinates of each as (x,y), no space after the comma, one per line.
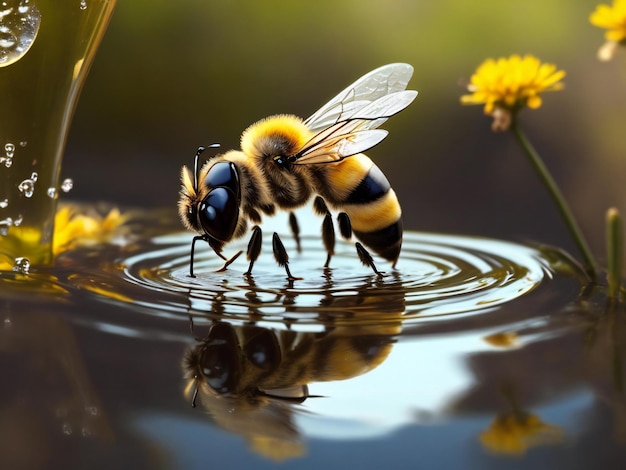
(4,204)
(7,38)
(18,30)
(17,222)
(85,431)
(27,187)
(21,265)
(67,185)
(67,429)
(23,143)
(4,226)
(83,4)
(92,410)
(9,149)
(52,193)
(7,323)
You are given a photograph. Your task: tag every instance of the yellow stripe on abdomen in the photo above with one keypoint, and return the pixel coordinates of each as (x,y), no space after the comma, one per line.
(374,215)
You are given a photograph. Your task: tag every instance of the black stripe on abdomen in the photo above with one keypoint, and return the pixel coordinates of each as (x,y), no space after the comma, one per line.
(374,186)
(386,242)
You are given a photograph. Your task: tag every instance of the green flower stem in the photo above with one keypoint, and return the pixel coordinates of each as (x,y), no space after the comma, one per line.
(614,251)
(561,204)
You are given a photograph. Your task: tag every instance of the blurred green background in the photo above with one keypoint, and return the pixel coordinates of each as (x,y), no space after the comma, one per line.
(170,76)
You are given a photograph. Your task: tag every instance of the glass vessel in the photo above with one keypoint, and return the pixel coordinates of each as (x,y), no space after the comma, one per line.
(46,49)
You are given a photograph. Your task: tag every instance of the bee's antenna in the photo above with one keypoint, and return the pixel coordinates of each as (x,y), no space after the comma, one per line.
(195,163)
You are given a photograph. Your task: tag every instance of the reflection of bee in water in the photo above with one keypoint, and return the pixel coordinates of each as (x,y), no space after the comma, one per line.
(256,364)
(251,378)
(284,161)
(248,377)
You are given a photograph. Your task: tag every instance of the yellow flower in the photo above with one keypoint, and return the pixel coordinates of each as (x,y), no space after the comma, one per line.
(612,18)
(507,85)
(73,228)
(513,433)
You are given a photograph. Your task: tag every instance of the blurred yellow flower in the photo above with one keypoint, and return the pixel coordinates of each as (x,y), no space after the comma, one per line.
(73,227)
(506,85)
(513,433)
(613,19)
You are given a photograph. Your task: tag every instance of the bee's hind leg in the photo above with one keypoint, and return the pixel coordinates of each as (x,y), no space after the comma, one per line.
(281,256)
(345,228)
(328,228)
(367,259)
(254,247)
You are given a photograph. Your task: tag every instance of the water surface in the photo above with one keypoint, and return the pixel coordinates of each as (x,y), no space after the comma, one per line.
(472,353)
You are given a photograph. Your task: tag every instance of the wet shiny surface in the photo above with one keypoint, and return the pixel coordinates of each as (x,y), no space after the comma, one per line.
(472,344)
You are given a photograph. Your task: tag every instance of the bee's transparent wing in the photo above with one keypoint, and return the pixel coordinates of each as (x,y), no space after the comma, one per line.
(355,133)
(379,82)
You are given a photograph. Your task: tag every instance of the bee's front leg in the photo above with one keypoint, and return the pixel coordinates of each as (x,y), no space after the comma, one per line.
(191,254)
(228,261)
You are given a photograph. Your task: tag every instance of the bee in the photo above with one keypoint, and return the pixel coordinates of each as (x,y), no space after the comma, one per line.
(285,161)
(253,363)
(249,377)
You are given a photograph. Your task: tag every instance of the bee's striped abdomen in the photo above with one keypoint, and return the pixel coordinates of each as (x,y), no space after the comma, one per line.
(364,193)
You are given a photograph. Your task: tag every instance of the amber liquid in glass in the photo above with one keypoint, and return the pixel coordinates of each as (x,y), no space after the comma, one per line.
(46,48)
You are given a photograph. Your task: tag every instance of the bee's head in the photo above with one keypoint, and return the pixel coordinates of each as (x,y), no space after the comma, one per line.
(210,198)
(232,366)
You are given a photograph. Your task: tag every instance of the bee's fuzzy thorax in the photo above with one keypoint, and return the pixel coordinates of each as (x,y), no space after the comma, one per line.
(280,135)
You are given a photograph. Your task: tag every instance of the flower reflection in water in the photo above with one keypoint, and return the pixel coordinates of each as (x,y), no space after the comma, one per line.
(515,431)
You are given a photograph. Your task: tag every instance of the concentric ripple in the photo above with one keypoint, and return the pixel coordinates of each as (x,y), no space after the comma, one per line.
(436,276)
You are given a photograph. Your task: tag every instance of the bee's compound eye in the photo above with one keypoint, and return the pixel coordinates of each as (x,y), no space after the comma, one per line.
(280,161)
(223,174)
(262,350)
(219,361)
(218,213)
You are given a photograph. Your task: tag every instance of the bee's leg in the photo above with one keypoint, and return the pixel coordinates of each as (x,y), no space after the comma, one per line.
(328,236)
(319,206)
(345,227)
(281,256)
(328,228)
(366,258)
(254,248)
(228,260)
(193,249)
(295,229)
